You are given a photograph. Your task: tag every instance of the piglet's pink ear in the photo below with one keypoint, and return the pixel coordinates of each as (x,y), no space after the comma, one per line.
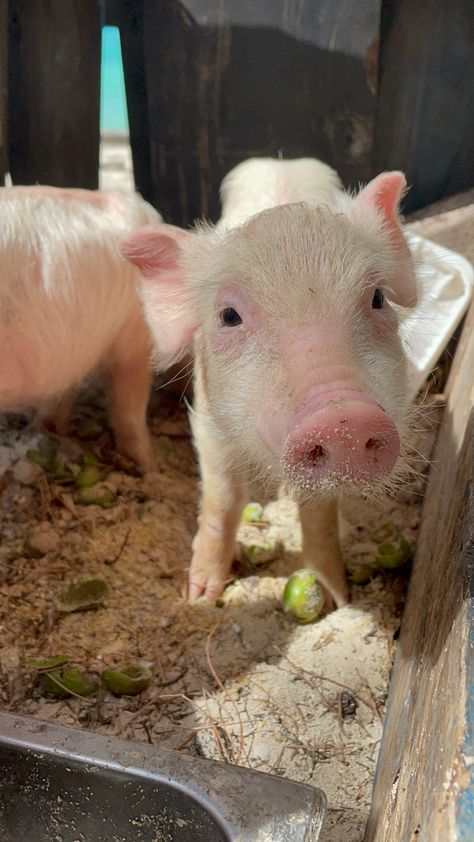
(169,311)
(384,194)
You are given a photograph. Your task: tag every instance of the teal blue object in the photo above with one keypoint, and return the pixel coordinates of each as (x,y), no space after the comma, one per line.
(465,802)
(113,104)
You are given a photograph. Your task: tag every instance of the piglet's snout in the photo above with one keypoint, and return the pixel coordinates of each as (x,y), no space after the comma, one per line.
(351,440)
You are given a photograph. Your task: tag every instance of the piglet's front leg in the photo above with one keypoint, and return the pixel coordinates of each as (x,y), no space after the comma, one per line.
(215,542)
(322,551)
(223,496)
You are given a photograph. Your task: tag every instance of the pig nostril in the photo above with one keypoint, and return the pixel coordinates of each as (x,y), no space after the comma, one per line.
(374,445)
(316,454)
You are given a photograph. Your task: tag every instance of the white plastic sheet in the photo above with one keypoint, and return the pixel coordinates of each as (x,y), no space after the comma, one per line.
(447,282)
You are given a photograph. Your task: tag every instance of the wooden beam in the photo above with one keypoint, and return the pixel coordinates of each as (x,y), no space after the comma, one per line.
(232,79)
(425,112)
(424,788)
(3,89)
(54,97)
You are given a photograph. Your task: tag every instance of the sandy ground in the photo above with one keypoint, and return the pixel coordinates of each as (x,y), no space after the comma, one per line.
(240,681)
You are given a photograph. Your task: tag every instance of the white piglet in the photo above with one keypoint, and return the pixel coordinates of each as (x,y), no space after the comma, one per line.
(300,378)
(69,305)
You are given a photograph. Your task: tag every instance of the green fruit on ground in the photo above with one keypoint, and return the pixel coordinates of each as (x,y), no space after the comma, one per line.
(68,682)
(253,513)
(128,680)
(359,573)
(391,556)
(87,477)
(261,553)
(303,597)
(83,596)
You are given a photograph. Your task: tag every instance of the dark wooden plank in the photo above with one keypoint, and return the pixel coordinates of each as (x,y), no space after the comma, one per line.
(228,79)
(129,18)
(424,787)
(3,88)
(54,91)
(425,116)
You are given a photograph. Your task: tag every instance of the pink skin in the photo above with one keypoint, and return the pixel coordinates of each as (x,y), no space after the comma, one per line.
(339,431)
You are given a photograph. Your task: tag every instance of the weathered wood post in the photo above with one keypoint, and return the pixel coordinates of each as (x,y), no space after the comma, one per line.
(54,91)
(424,787)
(230,79)
(3,89)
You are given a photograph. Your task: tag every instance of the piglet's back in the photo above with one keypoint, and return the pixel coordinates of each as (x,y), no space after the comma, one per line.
(65,290)
(261,183)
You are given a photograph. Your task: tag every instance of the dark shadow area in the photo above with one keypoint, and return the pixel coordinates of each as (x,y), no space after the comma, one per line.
(218,95)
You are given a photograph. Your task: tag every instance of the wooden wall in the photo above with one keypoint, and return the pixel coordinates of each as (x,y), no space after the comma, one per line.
(54,79)
(231,79)
(425,115)
(3,88)
(424,788)
(364,84)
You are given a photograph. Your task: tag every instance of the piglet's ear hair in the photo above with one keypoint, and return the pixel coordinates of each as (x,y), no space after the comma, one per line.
(384,194)
(169,310)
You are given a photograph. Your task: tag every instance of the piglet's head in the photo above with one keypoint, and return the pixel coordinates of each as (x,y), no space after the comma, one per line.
(296,333)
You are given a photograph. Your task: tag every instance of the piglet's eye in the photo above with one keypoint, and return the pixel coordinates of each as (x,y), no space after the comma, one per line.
(378,300)
(230,317)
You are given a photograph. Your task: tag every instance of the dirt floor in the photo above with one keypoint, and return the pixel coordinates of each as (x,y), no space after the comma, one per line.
(239,682)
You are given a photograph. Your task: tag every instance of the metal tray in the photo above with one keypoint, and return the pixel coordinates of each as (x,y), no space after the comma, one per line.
(63,785)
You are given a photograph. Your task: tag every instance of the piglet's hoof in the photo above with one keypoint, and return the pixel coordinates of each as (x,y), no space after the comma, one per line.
(200,585)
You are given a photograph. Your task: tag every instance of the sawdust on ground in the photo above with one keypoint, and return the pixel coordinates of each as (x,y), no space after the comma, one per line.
(240,681)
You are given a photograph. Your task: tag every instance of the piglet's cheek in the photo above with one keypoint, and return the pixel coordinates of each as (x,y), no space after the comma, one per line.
(269,428)
(228,341)
(386,324)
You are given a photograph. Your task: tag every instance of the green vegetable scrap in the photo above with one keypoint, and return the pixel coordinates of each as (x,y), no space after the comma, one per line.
(36,457)
(100,494)
(88,460)
(128,680)
(253,513)
(74,469)
(391,556)
(53,684)
(303,597)
(359,573)
(79,682)
(47,455)
(46,663)
(87,477)
(69,682)
(83,596)
(261,553)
